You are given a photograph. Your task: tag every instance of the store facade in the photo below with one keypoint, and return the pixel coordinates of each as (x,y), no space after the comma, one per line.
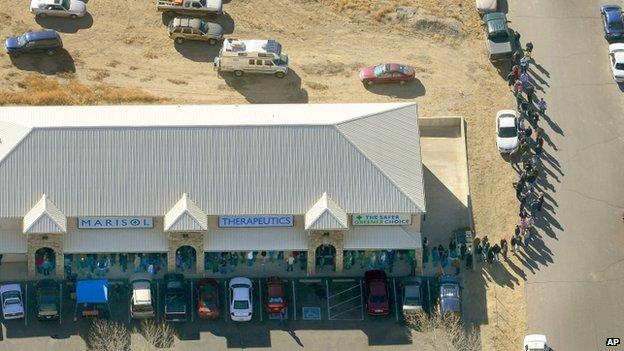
(314,189)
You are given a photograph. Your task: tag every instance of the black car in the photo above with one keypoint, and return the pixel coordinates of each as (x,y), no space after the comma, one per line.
(47,292)
(45,41)
(175,298)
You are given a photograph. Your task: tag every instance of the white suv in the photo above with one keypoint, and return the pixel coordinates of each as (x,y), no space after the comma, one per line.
(241,307)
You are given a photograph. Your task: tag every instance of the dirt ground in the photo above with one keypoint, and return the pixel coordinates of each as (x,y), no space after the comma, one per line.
(124,45)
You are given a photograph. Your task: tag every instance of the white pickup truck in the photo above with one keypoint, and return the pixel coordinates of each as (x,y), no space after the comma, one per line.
(190,7)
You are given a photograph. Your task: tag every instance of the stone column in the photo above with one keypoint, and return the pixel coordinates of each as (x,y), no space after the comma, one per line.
(318,238)
(194,240)
(39,241)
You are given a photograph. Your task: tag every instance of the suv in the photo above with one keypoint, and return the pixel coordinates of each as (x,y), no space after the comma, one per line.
(187,28)
(47,41)
(498,36)
(175,298)
(47,292)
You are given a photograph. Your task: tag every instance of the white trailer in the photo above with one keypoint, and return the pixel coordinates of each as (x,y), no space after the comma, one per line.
(252,56)
(190,7)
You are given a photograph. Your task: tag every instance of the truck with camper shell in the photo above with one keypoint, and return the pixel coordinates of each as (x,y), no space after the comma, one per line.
(190,7)
(252,56)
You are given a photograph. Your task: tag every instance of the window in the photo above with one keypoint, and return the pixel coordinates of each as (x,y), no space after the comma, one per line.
(268,63)
(241,304)
(252,62)
(397,75)
(259,62)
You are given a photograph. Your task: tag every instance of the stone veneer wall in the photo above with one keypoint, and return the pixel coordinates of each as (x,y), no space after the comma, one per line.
(53,241)
(316,239)
(177,240)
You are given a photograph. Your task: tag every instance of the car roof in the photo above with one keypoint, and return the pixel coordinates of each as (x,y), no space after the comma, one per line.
(378,288)
(614,15)
(240,280)
(10,287)
(192,22)
(412,291)
(617,49)
(505,121)
(240,293)
(375,274)
(42,35)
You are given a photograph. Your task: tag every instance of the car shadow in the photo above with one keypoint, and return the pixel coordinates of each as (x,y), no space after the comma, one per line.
(65,25)
(267,89)
(198,51)
(60,62)
(409,90)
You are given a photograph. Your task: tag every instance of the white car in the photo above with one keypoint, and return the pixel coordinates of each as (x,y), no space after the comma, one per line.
(241,307)
(507,139)
(535,342)
(58,8)
(12,306)
(616,54)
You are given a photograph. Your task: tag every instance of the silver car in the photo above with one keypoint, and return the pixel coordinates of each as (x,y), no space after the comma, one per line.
(188,28)
(58,8)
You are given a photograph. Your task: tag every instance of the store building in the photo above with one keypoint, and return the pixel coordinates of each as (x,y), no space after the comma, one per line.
(183,185)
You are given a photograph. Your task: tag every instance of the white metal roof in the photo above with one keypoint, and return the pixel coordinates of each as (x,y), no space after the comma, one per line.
(381,237)
(184,216)
(45,217)
(240,159)
(326,215)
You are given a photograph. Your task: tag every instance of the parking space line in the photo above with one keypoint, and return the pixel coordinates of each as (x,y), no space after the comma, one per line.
(227,302)
(396,302)
(294,300)
(60,302)
(157,301)
(192,304)
(345,311)
(343,302)
(260,300)
(26,305)
(343,291)
(361,300)
(327,299)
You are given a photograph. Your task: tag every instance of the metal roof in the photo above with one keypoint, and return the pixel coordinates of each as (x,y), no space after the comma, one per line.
(248,159)
(185,216)
(326,215)
(45,217)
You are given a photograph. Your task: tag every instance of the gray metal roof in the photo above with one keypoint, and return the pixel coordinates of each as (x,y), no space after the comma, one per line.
(185,216)
(44,217)
(248,159)
(326,215)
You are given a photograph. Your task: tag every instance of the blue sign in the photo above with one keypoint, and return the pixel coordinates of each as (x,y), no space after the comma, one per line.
(311,313)
(115,222)
(256,221)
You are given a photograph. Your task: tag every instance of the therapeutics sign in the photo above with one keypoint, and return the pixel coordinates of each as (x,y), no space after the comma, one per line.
(256,221)
(115,222)
(382,219)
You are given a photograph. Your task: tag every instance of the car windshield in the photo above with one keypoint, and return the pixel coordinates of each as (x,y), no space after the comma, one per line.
(142,308)
(21,40)
(377,298)
(12,301)
(616,25)
(404,69)
(379,70)
(507,132)
(65,4)
(241,304)
(275,299)
(619,66)
(499,37)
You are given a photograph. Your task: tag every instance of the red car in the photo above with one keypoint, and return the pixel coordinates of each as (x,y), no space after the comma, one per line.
(377,301)
(207,293)
(387,73)
(275,295)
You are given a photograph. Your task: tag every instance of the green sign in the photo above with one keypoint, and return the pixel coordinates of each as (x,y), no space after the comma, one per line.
(382,219)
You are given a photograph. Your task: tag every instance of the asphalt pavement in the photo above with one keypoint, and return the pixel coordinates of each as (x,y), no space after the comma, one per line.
(574,294)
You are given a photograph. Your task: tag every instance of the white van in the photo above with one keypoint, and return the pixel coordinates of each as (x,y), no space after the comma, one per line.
(142,301)
(252,56)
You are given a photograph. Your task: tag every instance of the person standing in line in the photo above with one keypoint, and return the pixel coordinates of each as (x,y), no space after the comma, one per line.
(290,263)
(490,255)
(529,89)
(524,79)
(496,250)
(524,65)
(541,105)
(539,202)
(515,70)
(504,247)
(518,88)
(511,80)
(137,263)
(528,51)
(468,259)
(425,245)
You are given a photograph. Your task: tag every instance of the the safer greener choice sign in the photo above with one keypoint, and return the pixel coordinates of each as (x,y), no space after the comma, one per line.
(382,219)
(115,222)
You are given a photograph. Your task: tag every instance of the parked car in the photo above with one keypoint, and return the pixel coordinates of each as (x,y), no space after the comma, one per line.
(275,295)
(387,73)
(142,299)
(498,36)
(47,41)
(241,305)
(175,298)
(263,56)
(412,296)
(188,28)
(48,299)
(616,55)
(449,301)
(207,295)
(377,299)
(486,6)
(58,8)
(507,139)
(535,342)
(612,21)
(190,7)
(12,306)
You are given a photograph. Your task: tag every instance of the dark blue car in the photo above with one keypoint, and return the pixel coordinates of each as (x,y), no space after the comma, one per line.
(612,21)
(47,41)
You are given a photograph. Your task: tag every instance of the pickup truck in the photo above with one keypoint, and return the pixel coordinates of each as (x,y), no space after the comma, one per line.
(498,36)
(190,7)
(175,298)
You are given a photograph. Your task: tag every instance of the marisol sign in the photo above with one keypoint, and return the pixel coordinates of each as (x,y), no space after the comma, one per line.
(382,219)
(115,222)
(256,221)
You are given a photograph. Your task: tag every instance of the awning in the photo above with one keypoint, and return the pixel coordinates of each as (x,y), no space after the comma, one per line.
(92,291)
(381,237)
(185,216)
(12,242)
(256,239)
(115,240)
(325,214)
(45,218)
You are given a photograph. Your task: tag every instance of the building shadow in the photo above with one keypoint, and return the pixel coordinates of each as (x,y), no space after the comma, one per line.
(268,89)
(65,25)
(409,90)
(60,62)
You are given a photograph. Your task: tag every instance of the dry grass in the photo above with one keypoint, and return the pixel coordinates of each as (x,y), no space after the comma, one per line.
(150,55)
(177,81)
(113,63)
(106,335)
(317,86)
(444,331)
(39,90)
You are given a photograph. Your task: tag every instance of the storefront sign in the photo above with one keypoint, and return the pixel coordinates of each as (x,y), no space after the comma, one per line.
(382,219)
(115,222)
(256,221)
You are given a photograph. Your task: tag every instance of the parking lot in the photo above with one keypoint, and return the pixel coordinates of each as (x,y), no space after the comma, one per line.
(313,304)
